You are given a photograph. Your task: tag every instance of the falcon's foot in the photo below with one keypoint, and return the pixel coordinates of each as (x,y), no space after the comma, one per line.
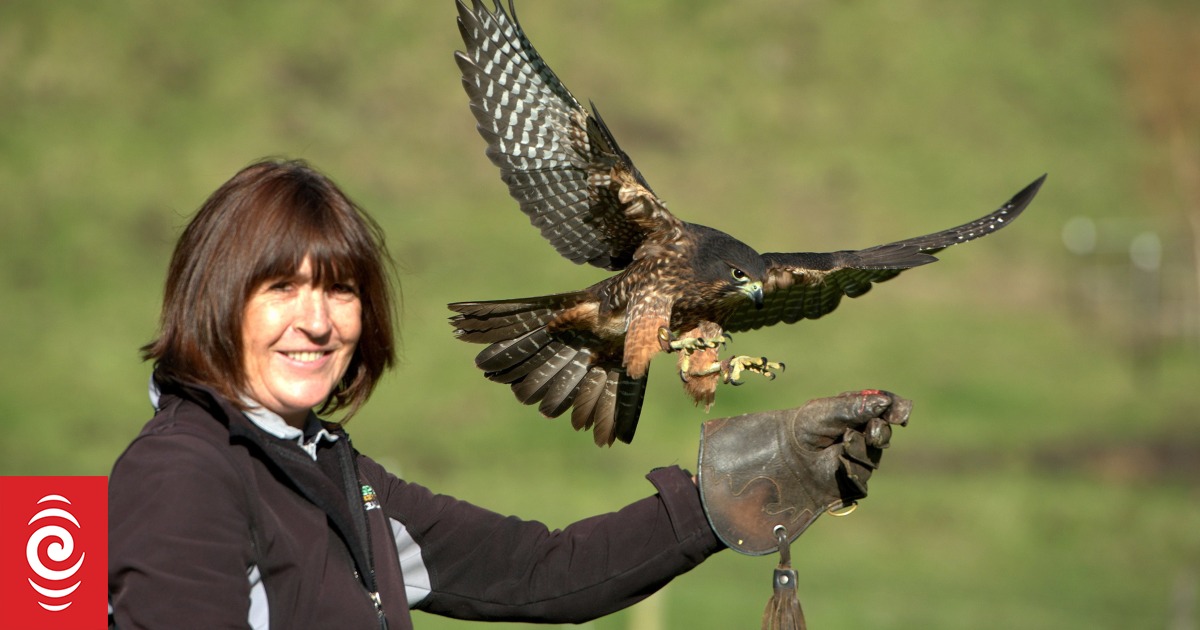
(694,351)
(731,369)
(687,345)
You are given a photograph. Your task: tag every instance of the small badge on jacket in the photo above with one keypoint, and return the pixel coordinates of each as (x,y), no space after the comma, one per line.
(369,500)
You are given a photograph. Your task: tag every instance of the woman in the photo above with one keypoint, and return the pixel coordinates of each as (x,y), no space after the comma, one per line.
(237,506)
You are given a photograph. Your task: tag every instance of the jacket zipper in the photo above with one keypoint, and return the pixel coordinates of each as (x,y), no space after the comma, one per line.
(354,494)
(375,599)
(379,610)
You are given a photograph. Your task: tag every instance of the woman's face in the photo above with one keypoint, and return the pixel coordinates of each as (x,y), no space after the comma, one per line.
(297,341)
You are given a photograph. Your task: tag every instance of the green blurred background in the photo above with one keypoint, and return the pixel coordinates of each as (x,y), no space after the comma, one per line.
(1049,478)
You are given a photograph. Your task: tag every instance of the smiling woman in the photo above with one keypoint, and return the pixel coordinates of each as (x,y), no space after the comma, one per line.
(272,222)
(238,505)
(297,340)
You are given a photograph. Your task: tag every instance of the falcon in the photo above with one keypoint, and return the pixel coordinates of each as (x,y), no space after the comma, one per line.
(680,288)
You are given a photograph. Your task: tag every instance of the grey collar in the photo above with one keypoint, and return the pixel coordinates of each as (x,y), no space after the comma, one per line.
(273,424)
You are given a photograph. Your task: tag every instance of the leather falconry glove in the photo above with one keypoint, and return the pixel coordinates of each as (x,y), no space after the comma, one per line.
(765,477)
(786,467)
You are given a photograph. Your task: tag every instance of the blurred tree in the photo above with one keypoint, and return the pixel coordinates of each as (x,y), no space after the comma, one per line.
(1160,63)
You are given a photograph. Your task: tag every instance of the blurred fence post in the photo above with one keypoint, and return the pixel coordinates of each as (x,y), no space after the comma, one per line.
(1160,52)
(1145,257)
(1129,283)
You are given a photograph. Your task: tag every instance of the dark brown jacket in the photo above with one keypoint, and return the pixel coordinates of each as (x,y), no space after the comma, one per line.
(203,503)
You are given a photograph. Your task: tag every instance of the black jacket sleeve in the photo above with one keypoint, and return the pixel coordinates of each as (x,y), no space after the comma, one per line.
(178,542)
(482,565)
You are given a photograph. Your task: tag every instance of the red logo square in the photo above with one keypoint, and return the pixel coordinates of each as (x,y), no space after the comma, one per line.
(54,552)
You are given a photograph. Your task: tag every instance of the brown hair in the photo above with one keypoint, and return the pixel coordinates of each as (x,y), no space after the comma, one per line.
(258,226)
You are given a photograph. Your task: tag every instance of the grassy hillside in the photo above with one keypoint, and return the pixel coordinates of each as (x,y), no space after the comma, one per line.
(1049,478)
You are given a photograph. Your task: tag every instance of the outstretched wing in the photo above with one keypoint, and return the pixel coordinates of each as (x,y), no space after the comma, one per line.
(809,285)
(560,162)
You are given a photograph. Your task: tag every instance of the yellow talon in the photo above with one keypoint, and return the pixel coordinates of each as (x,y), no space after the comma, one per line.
(731,369)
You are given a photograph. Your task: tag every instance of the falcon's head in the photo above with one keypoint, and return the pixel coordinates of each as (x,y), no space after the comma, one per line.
(729,269)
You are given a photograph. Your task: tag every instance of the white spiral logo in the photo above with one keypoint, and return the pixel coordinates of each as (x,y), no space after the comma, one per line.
(59,550)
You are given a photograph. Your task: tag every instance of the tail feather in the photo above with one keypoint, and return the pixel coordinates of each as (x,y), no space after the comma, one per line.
(500,331)
(562,390)
(630,394)
(520,370)
(555,370)
(602,414)
(532,388)
(587,394)
(609,402)
(504,355)
(490,322)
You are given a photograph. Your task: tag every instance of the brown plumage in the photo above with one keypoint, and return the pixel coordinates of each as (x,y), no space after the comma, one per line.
(590,350)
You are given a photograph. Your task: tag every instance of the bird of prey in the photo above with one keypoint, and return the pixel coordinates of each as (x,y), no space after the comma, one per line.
(681,287)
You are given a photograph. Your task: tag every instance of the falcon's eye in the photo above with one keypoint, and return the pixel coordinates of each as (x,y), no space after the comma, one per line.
(738,274)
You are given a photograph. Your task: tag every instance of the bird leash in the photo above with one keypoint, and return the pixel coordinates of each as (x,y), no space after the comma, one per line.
(783,610)
(765,477)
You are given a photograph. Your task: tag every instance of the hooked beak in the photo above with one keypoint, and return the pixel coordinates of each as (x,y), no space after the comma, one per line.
(754,291)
